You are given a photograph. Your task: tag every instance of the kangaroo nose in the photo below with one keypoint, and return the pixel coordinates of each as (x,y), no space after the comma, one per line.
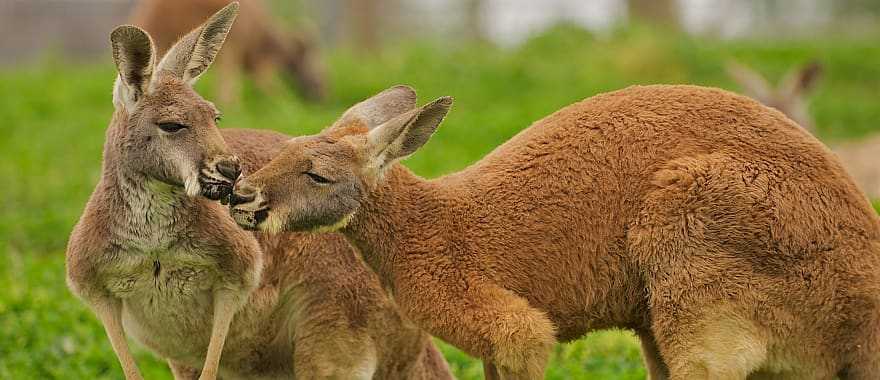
(242,194)
(229,169)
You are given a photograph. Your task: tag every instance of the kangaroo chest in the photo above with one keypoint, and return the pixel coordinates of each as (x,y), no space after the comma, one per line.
(156,263)
(174,274)
(165,277)
(167,298)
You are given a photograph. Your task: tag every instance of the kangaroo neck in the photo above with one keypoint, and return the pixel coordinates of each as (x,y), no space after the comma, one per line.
(145,211)
(393,214)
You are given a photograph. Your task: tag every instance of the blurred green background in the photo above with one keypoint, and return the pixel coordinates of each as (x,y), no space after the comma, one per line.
(53,113)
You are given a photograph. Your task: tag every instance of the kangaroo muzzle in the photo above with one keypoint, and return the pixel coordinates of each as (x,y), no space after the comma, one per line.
(247,206)
(229,169)
(218,176)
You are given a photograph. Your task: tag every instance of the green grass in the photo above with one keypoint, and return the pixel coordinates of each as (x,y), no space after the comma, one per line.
(53,116)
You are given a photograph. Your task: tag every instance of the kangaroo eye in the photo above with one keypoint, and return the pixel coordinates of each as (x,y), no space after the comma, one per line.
(171,127)
(318,179)
(218,118)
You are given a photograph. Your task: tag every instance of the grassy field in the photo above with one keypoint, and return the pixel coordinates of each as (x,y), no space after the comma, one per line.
(53,118)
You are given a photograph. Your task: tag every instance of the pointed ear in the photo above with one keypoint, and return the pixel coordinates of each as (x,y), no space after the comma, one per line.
(380,107)
(752,83)
(192,55)
(800,81)
(135,58)
(403,135)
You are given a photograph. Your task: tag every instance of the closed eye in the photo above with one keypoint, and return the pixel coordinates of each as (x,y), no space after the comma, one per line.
(318,179)
(171,127)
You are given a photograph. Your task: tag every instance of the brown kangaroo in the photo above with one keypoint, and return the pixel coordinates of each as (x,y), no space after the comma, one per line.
(729,239)
(173,271)
(256,45)
(858,157)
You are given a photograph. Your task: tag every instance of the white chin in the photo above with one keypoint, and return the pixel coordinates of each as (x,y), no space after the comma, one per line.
(336,226)
(192,186)
(272,224)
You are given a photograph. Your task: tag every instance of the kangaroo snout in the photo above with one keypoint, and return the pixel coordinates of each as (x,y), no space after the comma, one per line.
(230,168)
(247,206)
(241,195)
(218,175)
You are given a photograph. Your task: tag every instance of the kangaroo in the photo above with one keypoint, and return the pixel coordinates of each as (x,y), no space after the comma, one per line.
(171,269)
(257,45)
(789,97)
(858,157)
(730,240)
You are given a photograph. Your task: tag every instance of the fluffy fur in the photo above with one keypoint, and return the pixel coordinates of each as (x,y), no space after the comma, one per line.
(730,240)
(174,272)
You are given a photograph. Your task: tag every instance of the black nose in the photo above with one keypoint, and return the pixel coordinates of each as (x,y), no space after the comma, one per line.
(260,216)
(240,196)
(229,169)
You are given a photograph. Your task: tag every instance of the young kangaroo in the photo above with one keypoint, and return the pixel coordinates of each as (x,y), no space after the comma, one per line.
(858,157)
(731,241)
(256,45)
(176,273)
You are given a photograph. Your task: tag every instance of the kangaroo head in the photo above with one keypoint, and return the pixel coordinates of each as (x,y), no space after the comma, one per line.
(789,96)
(165,130)
(302,64)
(318,182)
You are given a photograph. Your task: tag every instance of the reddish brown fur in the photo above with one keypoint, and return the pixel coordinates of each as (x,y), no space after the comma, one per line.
(728,238)
(256,44)
(173,270)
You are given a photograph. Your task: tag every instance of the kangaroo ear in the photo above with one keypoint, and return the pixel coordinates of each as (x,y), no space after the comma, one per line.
(195,52)
(135,57)
(380,107)
(752,83)
(403,135)
(800,81)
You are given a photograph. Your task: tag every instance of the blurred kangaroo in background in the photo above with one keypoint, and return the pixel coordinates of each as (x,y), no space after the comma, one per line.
(790,97)
(256,45)
(158,262)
